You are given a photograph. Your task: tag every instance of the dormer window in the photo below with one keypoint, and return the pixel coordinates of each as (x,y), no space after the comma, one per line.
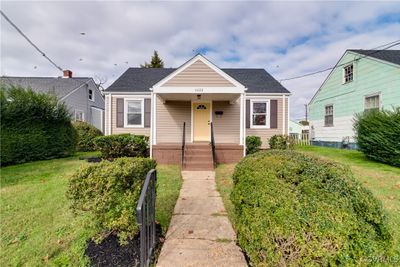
(348,73)
(91,95)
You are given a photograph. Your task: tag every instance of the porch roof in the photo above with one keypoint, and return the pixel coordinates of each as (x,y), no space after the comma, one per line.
(199,97)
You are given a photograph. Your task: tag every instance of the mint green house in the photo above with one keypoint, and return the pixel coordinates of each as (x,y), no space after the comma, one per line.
(361,80)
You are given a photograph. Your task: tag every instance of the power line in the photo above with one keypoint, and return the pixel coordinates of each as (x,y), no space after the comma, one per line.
(29,41)
(391,44)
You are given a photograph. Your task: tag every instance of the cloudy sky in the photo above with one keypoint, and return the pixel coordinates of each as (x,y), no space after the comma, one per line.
(286,38)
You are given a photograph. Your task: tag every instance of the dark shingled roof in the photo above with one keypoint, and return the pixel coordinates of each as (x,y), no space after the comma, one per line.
(392,56)
(141,79)
(58,86)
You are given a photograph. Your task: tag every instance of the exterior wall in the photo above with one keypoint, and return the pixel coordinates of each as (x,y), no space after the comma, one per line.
(120,130)
(370,76)
(282,128)
(226,128)
(169,121)
(198,74)
(80,100)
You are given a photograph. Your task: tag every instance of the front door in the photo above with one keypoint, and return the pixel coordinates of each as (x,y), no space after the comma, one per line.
(201,121)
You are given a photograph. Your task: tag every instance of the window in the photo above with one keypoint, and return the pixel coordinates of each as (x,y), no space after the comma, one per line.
(134,113)
(371,103)
(348,73)
(259,114)
(91,95)
(79,115)
(328,115)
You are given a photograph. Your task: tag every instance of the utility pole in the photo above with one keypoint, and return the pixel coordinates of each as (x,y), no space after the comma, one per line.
(306,106)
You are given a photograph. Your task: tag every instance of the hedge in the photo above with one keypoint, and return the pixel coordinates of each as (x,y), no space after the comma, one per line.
(253,144)
(34,126)
(296,210)
(378,135)
(122,145)
(86,135)
(110,192)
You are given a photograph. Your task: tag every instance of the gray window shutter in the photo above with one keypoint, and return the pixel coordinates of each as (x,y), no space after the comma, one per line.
(120,112)
(247,113)
(147,112)
(274,114)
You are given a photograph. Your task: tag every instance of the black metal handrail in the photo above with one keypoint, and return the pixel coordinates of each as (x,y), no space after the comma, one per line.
(146,218)
(213,145)
(183,143)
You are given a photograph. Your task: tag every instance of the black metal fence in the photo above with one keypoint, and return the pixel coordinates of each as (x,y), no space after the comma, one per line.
(146,218)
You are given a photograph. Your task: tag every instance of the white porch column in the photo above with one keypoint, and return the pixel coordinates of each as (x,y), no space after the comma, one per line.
(109,114)
(154,117)
(241,119)
(283,114)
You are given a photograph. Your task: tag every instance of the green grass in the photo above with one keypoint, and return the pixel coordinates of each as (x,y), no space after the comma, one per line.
(223,177)
(37,226)
(383,180)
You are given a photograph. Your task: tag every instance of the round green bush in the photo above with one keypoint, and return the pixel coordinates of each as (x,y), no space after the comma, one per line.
(253,144)
(86,135)
(280,141)
(122,145)
(34,126)
(110,192)
(378,135)
(297,210)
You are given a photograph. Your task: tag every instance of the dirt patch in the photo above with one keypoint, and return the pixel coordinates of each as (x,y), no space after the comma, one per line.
(110,253)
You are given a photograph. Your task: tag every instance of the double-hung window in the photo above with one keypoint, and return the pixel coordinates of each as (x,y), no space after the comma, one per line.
(134,112)
(260,115)
(79,115)
(348,73)
(371,102)
(91,95)
(328,115)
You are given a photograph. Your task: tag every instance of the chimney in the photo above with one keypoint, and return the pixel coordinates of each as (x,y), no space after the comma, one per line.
(67,74)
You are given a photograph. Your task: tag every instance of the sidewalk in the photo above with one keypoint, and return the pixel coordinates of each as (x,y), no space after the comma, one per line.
(200,233)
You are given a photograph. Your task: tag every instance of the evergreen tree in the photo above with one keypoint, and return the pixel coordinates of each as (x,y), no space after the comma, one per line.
(156,62)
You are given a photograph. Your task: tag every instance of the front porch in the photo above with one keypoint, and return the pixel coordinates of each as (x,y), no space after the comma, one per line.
(187,118)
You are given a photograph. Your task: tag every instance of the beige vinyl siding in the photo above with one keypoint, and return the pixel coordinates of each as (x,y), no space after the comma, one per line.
(115,130)
(266,134)
(169,121)
(198,74)
(227,128)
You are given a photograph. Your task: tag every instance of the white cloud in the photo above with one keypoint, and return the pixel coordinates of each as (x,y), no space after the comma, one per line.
(286,38)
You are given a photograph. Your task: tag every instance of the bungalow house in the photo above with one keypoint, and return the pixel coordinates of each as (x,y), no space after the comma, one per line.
(80,94)
(362,80)
(183,109)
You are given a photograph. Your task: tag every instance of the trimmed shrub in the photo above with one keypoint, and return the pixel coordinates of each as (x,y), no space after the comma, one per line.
(122,145)
(378,135)
(253,144)
(296,210)
(110,192)
(280,141)
(86,134)
(34,126)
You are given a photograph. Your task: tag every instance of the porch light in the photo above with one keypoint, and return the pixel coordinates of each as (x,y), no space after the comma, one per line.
(198,97)
(218,114)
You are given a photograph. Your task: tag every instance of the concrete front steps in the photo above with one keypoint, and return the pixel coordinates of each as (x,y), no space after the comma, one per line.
(198,157)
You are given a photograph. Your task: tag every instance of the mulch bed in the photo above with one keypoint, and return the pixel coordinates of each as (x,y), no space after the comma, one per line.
(110,253)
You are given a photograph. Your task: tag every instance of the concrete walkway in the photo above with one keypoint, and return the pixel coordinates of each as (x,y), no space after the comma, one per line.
(200,233)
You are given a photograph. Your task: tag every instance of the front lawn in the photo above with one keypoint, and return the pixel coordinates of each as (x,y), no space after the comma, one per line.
(383,180)
(37,226)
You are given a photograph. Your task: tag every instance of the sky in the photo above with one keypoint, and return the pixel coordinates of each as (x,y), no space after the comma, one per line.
(285,38)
